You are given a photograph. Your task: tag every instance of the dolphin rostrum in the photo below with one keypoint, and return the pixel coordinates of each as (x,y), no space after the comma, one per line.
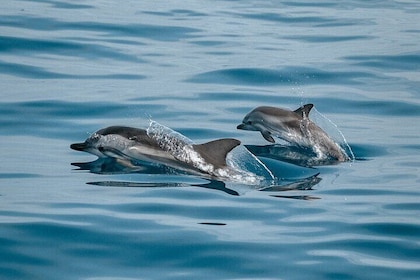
(294,127)
(128,143)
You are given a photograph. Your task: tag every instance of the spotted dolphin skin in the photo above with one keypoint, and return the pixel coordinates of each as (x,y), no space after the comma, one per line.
(294,127)
(128,143)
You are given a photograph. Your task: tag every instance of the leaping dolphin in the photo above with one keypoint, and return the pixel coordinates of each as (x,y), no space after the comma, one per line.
(128,143)
(294,127)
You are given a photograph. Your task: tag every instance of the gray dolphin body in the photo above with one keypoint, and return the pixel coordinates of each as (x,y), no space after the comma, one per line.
(294,127)
(128,143)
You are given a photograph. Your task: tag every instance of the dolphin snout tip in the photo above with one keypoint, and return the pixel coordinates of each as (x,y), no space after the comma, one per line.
(78,146)
(240,126)
(246,126)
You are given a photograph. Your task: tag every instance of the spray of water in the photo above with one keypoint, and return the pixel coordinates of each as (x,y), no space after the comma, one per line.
(181,148)
(336,133)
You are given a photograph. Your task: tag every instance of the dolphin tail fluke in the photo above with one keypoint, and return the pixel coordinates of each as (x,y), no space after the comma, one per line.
(304,110)
(215,152)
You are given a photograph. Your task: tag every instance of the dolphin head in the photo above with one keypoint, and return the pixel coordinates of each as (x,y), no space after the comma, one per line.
(277,121)
(92,144)
(252,121)
(262,119)
(115,137)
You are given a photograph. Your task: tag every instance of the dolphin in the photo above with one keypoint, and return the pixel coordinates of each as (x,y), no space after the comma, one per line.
(128,143)
(294,127)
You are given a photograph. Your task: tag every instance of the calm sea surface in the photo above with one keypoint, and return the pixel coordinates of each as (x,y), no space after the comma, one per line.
(69,68)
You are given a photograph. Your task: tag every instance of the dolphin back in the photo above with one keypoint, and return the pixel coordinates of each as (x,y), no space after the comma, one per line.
(124,131)
(215,152)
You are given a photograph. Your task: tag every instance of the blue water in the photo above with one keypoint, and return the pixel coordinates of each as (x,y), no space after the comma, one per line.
(69,68)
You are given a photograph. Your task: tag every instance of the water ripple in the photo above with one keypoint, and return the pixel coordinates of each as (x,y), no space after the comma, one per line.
(149,31)
(285,76)
(64,48)
(48,117)
(328,39)
(301,20)
(37,72)
(404,62)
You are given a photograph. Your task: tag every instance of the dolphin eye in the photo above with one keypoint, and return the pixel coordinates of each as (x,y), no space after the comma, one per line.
(249,122)
(95,137)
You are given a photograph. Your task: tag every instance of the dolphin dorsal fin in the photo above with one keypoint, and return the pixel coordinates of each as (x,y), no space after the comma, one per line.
(215,152)
(304,110)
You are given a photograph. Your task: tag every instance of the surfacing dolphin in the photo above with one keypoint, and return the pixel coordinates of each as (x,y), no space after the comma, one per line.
(128,143)
(294,127)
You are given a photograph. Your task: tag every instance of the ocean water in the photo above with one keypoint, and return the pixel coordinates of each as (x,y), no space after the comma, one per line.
(69,68)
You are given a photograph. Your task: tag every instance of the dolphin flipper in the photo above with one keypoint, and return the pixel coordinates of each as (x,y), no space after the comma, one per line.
(267,136)
(304,110)
(119,156)
(113,152)
(215,152)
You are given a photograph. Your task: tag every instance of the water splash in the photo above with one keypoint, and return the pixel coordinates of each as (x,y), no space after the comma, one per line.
(335,133)
(169,140)
(242,159)
(181,148)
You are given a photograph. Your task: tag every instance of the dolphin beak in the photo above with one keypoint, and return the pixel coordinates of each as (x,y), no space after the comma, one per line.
(245,126)
(79,146)
(241,126)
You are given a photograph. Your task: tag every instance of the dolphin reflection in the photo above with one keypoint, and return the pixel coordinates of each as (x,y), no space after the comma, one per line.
(113,166)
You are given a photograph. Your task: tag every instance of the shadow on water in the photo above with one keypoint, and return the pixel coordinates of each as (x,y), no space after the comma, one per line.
(109,166)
